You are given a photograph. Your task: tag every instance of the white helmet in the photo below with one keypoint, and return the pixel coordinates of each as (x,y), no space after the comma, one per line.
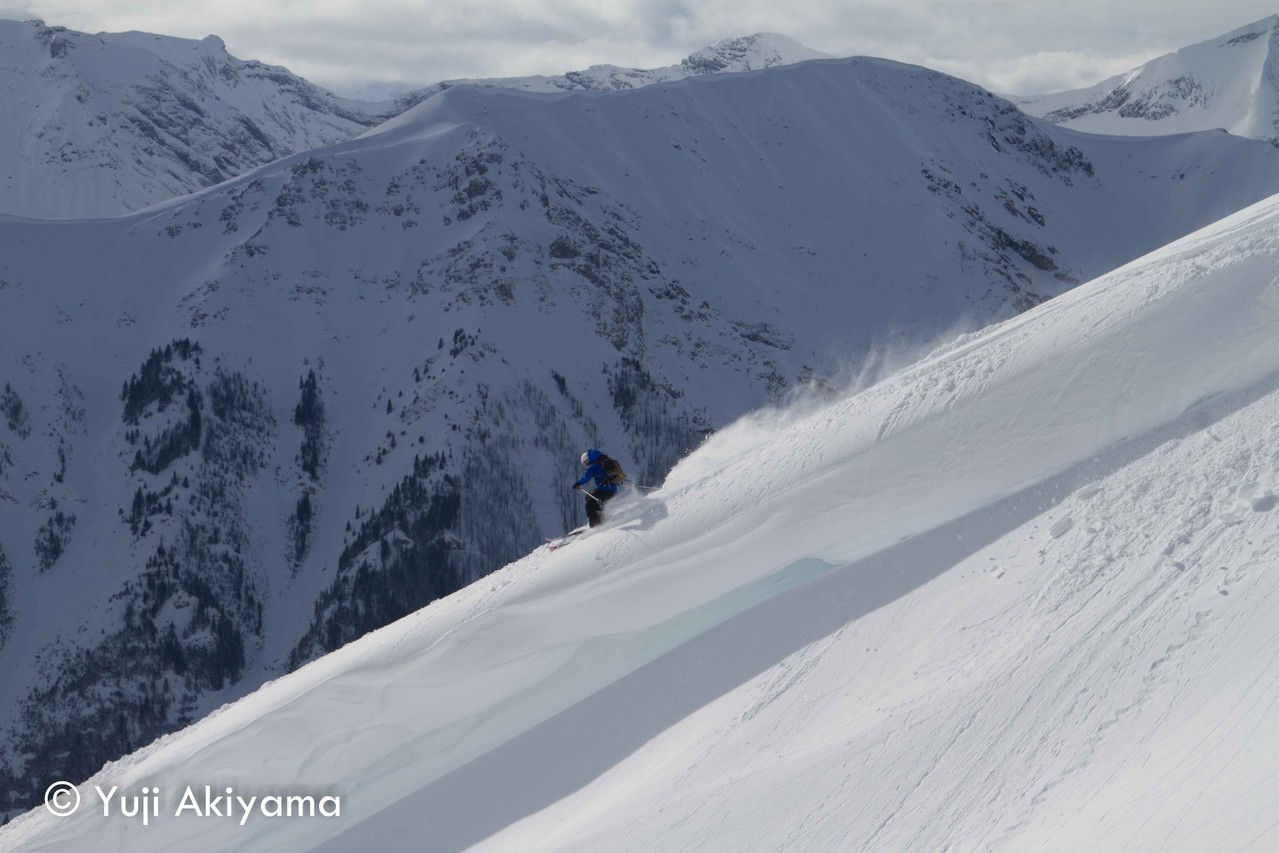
(586,459)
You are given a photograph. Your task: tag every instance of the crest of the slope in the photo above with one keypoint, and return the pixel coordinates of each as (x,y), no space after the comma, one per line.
(882,77)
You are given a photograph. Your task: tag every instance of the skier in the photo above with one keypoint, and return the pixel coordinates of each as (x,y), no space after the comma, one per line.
(607,474)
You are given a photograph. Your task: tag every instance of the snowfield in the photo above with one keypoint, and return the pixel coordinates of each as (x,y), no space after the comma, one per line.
(1230,82)
(1020,595)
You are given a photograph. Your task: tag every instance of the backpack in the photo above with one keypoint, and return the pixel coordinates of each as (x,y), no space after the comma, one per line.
(612,470)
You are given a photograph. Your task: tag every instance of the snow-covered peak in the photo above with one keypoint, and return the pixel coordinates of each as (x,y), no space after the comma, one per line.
(103,124)
(98,125)
(1230,82)
(748,53)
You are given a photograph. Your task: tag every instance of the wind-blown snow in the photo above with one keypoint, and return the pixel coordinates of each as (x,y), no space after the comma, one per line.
(1019,595)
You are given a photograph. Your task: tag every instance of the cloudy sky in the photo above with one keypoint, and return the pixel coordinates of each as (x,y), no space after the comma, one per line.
(373,47)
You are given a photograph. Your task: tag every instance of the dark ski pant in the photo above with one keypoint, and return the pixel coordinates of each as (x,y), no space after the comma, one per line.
(595,506)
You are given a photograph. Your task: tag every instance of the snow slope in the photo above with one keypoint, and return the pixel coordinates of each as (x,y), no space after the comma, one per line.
(1229,82)
(246,427)
(1019,595)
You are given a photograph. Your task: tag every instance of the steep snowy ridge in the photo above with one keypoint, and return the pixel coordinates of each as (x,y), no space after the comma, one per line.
(246,427)
(99,125)
(1003,625)
(96,125)
(1230,82)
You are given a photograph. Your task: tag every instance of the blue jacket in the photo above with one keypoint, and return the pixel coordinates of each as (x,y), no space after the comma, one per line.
(595,471)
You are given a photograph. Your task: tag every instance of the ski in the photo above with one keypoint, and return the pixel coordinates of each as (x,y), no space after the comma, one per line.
(559,542)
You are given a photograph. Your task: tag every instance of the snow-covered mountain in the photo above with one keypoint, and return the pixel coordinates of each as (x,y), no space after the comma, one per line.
(1032,608)
(1230,82)
(246,427)
(99,125)
(728,56)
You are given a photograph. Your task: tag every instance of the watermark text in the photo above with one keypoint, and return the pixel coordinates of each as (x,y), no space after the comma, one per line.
(149,803)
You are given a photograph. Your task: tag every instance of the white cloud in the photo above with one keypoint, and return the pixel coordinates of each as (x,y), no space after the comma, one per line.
(1005,45)
(1044,71)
